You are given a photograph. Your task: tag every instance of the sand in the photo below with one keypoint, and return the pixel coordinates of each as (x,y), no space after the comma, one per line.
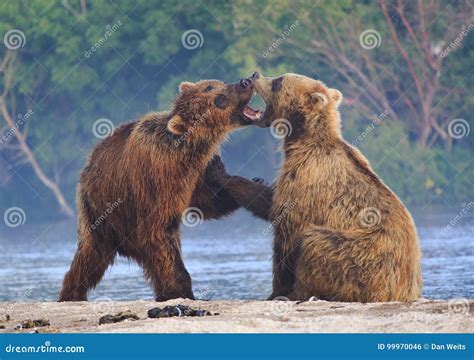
(453,316)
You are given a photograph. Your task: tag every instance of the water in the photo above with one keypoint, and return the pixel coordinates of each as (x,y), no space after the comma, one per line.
(227,259)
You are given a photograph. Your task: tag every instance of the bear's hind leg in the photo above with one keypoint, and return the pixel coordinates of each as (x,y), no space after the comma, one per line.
(335,266)
(87,268)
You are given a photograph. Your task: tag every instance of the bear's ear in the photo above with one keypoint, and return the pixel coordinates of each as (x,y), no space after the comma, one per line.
(185,85)
(336,96)
(318,99)
(176,125)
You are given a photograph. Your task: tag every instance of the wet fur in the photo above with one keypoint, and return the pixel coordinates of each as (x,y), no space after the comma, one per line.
(321,247)
(142,178)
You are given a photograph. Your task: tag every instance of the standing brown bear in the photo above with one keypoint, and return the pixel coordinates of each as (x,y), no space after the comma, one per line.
(340,233)
(140,181)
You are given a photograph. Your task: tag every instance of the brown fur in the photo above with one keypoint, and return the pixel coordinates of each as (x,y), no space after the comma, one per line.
(347,236)
(139,181)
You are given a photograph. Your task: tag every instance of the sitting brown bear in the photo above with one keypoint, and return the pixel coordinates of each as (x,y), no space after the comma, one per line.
(340,233)
(140,181)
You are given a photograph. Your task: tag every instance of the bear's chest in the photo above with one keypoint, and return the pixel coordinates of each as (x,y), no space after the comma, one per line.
(299,197)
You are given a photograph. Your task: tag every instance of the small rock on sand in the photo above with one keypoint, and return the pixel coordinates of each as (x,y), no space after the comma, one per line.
(29,324)
(119,317)
(178,310)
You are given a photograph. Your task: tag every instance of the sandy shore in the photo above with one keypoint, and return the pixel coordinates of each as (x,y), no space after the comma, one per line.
(452,316)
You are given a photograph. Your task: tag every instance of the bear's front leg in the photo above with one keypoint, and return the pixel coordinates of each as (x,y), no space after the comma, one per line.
(210,196)
(164,267)
(284,264)
(254,195)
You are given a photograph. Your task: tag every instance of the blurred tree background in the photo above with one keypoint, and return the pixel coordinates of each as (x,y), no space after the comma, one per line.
(404,67)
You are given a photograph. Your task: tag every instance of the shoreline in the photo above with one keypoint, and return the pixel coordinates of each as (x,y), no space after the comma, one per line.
(422,316)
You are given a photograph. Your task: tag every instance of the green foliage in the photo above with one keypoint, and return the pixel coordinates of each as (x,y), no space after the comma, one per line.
(418,176)
(139,65)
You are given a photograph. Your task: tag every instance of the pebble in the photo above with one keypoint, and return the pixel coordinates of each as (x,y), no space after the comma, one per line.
(119,317)
(178,311)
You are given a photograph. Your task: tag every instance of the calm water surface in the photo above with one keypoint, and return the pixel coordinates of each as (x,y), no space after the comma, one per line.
(227,259)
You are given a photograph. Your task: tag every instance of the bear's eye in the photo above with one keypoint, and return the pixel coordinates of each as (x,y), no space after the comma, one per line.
(209,88)
(221,101)
(276,84)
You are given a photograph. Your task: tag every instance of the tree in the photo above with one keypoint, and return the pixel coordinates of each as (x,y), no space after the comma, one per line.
(82,60)
(388,57)
(7,69)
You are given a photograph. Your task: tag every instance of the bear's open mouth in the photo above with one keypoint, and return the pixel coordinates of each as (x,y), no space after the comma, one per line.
(250,113)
